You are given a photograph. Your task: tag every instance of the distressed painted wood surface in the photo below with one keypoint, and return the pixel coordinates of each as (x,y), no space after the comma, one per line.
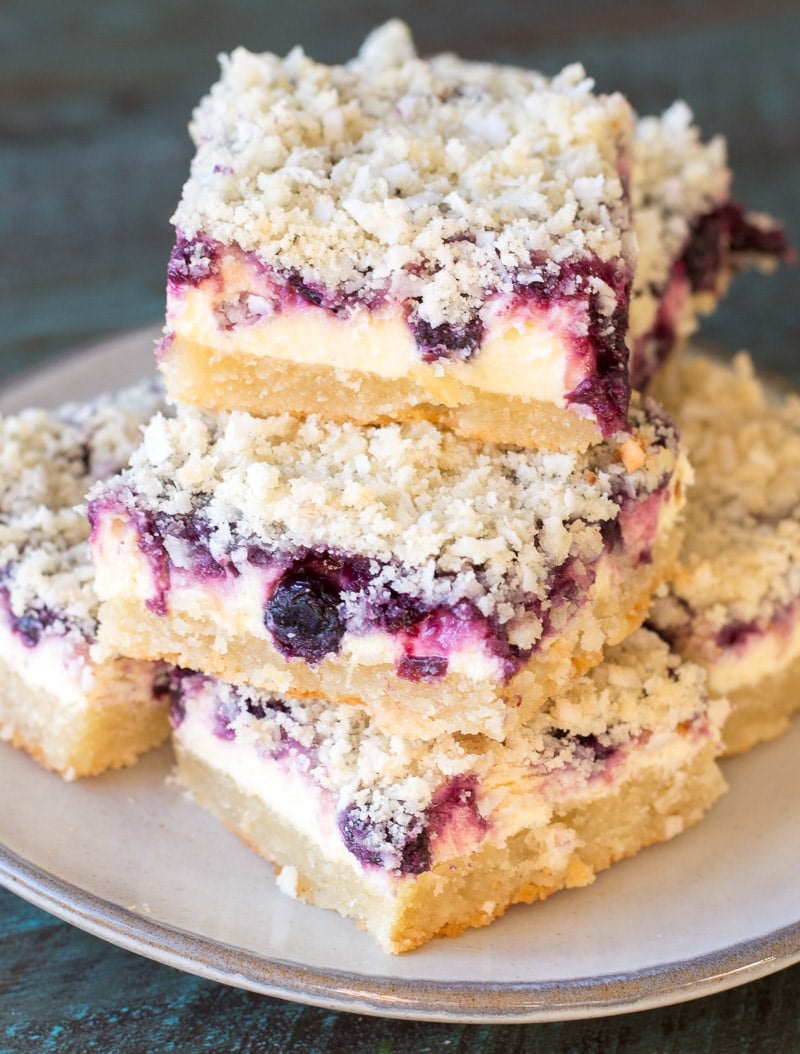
(94,100)
(64,992)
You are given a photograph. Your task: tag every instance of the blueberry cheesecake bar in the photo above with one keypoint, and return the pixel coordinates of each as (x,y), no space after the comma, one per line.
(75,711)
(417,839)
(692,236)
(734,603)
(401,238)
(442,583)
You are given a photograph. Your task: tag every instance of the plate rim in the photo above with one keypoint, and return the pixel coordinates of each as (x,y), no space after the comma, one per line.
(419,999)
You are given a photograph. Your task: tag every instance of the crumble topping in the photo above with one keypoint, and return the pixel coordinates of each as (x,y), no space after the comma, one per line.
(48,461)
(52,457)
(676,178)
(642,689)
(42,462)
(436,181)
(741,557)
(469,520)
(45,567)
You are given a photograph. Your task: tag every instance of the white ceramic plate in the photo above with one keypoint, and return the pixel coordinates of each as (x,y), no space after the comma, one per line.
(127,858)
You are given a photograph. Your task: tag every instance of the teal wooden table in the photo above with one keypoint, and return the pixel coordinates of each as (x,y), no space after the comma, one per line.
(94,100)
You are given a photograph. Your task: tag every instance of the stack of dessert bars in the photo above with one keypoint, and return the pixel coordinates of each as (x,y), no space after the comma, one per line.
(399,537)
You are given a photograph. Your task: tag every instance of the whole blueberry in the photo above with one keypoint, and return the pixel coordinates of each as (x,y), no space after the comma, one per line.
(303,615)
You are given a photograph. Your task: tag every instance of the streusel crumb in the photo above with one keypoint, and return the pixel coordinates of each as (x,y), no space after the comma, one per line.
(48,462)
(437,181)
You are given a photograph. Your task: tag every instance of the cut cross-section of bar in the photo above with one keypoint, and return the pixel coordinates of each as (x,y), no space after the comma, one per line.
(441,583)
(734,605)
(692,236)
(418,839)
(75,711)
(402,238)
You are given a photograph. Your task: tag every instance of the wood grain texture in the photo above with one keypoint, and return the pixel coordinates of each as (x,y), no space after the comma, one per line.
(94,101)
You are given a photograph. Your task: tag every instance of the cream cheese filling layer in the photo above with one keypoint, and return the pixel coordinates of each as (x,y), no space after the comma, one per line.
(75,671)
(764,654)
(311,810)
(285,791)
(236,605)
(524,354)
(55,664)
(512,798)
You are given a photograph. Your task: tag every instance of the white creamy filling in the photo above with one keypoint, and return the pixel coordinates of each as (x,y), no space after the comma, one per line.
(761,655)
(666,750)
(75,671)
(236,606)
(286,792)
(293,796)
(121,569)
(526,354)
(56,664)
(377,648)
(512,798)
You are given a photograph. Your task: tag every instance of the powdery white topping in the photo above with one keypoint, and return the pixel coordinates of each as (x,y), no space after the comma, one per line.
(432,180)
(48,461)
(41,462)
(741,556)
(46,554)
(450,518)
(676,178)
(641,690)
(52,457)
